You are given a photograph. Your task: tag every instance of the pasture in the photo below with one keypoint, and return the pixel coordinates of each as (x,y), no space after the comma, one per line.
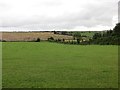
(53,65)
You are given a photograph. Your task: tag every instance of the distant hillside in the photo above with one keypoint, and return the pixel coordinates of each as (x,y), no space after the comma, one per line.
(29,36)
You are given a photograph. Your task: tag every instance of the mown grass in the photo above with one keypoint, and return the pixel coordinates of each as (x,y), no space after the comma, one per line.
(52,65)
(0,65)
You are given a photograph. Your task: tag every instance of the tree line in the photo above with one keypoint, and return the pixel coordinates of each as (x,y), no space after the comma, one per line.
(110,37)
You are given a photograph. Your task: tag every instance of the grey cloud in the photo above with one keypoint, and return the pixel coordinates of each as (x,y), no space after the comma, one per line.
(92,15)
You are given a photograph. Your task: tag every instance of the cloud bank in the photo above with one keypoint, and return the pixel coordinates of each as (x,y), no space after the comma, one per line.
(65,15)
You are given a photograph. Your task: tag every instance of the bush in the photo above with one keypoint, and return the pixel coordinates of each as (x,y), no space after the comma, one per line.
(3,40)
(38,40)
(51,39)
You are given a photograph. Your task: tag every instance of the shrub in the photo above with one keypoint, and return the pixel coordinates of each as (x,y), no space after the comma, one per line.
(38,40)
(51,39)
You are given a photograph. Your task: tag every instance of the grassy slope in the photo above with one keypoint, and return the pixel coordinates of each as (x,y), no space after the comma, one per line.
(88,34)
(1,65)
(58,65)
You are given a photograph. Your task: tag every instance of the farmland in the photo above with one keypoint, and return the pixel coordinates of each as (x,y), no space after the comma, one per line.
(29,36)
(53,65)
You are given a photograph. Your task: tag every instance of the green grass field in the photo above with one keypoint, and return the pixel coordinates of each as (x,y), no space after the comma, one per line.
(88,34)
(52,65)
(0,65)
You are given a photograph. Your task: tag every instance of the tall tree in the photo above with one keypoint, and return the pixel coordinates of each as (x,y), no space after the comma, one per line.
(117,29)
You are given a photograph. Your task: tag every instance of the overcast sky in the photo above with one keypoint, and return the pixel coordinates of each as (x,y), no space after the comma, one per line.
(73,15)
